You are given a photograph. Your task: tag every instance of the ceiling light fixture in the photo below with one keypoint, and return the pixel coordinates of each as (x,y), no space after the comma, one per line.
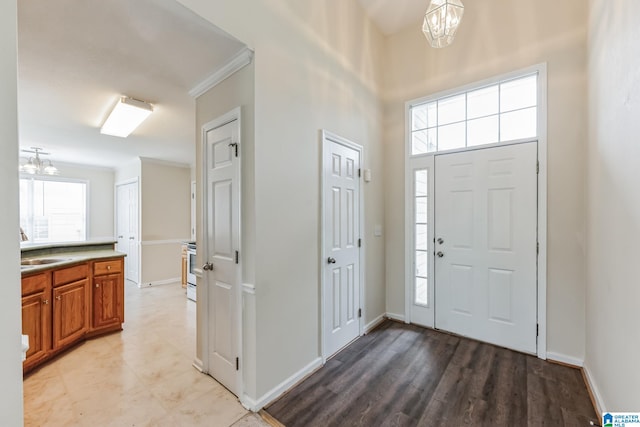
(441,21)
(36,166)
(126,116)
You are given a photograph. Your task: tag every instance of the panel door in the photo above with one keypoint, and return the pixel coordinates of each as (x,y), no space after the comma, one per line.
(341,260)
(70,315)
(36,323)
(486,239)
(133,259)
(222,252)
(106,300)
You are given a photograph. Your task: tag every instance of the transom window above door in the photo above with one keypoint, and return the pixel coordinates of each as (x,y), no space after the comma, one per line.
(499,112)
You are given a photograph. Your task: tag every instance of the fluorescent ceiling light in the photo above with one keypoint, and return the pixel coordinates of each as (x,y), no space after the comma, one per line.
(126,116)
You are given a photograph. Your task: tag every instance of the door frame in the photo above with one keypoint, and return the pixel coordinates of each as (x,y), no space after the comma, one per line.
(134,180)
(327,138)
(203,287)
(541,69)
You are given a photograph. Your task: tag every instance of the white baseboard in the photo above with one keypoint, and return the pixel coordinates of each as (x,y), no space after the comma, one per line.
(375,322)
(280,389)
(568,360)
(393,316)
(601,407)
(160,282)
(197,363)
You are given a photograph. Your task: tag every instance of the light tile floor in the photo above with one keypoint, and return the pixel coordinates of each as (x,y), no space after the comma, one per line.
(142,376)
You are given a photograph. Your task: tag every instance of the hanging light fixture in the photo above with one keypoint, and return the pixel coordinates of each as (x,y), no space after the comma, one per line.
(441,21)
(36,166)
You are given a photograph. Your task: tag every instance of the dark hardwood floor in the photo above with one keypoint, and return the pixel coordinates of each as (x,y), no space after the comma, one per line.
(403,375)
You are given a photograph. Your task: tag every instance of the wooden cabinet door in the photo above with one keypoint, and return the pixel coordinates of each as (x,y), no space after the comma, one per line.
(70,313)
(36,322)
(107,300)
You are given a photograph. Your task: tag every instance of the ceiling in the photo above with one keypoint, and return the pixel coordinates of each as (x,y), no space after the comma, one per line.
(76,58)
(392,16)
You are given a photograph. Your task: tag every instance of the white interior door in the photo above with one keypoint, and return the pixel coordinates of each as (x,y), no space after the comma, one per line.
(486,244)
(127,214)
(341,257)
(222,272)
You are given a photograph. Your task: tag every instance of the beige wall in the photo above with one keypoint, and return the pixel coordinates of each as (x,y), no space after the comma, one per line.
(316,67)
(497,37)
(10,317)
(613,293)
(165,212)
(235,91)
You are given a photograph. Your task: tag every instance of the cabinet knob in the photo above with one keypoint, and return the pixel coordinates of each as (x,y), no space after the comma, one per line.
(108,267)
(59,297)
(45,302)
(97,285)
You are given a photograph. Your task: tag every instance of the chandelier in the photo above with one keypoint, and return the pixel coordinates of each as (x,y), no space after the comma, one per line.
(441,21)
(36,166)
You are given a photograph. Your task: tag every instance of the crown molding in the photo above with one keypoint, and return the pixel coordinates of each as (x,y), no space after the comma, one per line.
(239,61)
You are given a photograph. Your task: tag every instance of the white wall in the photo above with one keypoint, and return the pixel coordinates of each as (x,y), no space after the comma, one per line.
(10,316)
(613,271)
(235,91)
(128,171)
(497,37)
(317,66)
(101,200)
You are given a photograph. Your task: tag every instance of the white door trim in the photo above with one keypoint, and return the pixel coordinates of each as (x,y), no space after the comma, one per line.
(542,195)
(203,291)
(326,138)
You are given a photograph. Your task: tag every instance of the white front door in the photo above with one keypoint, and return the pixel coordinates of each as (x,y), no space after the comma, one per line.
(341,229)
(127,227)
(485,244)
(222,234)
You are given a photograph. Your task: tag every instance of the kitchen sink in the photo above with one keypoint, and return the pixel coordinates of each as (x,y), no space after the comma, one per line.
(41,261)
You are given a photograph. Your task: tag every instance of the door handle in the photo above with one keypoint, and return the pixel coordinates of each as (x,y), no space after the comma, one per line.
(331,260)
(120,237)
(440,241)
(440,254)
(208,266)
(132,238)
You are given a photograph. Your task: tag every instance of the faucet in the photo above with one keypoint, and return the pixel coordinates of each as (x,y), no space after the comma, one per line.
(23,236)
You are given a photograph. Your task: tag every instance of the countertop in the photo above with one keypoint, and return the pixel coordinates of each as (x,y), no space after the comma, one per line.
(67,254)
(29,246)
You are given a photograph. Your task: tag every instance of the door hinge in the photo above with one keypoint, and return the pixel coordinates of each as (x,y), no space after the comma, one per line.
(537,167)
(537,329)
(237,257)
(359,312)
(235,146)
(237,363)
(359,243)
(538,248)
(359,173)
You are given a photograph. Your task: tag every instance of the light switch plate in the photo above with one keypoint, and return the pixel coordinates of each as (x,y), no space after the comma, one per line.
(377,230)
(367,175)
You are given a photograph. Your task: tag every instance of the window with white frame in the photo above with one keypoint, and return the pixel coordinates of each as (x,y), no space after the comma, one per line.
(53,210)
(503,111)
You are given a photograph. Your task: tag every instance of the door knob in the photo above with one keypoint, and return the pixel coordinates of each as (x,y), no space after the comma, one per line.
(440,254)
(132,238)
(331,260)
(440,240)
(120,237)
(208,266)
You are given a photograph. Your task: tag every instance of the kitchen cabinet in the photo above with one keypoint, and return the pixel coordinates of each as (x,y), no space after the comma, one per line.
(184,265)
(62,306)
(36,316)
(70,316)
(108,294)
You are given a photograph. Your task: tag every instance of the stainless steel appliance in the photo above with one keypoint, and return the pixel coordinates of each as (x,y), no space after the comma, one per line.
(191,274)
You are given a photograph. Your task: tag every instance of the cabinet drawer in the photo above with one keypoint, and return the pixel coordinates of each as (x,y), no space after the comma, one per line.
(71,274)
(35,283)
(107,267)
